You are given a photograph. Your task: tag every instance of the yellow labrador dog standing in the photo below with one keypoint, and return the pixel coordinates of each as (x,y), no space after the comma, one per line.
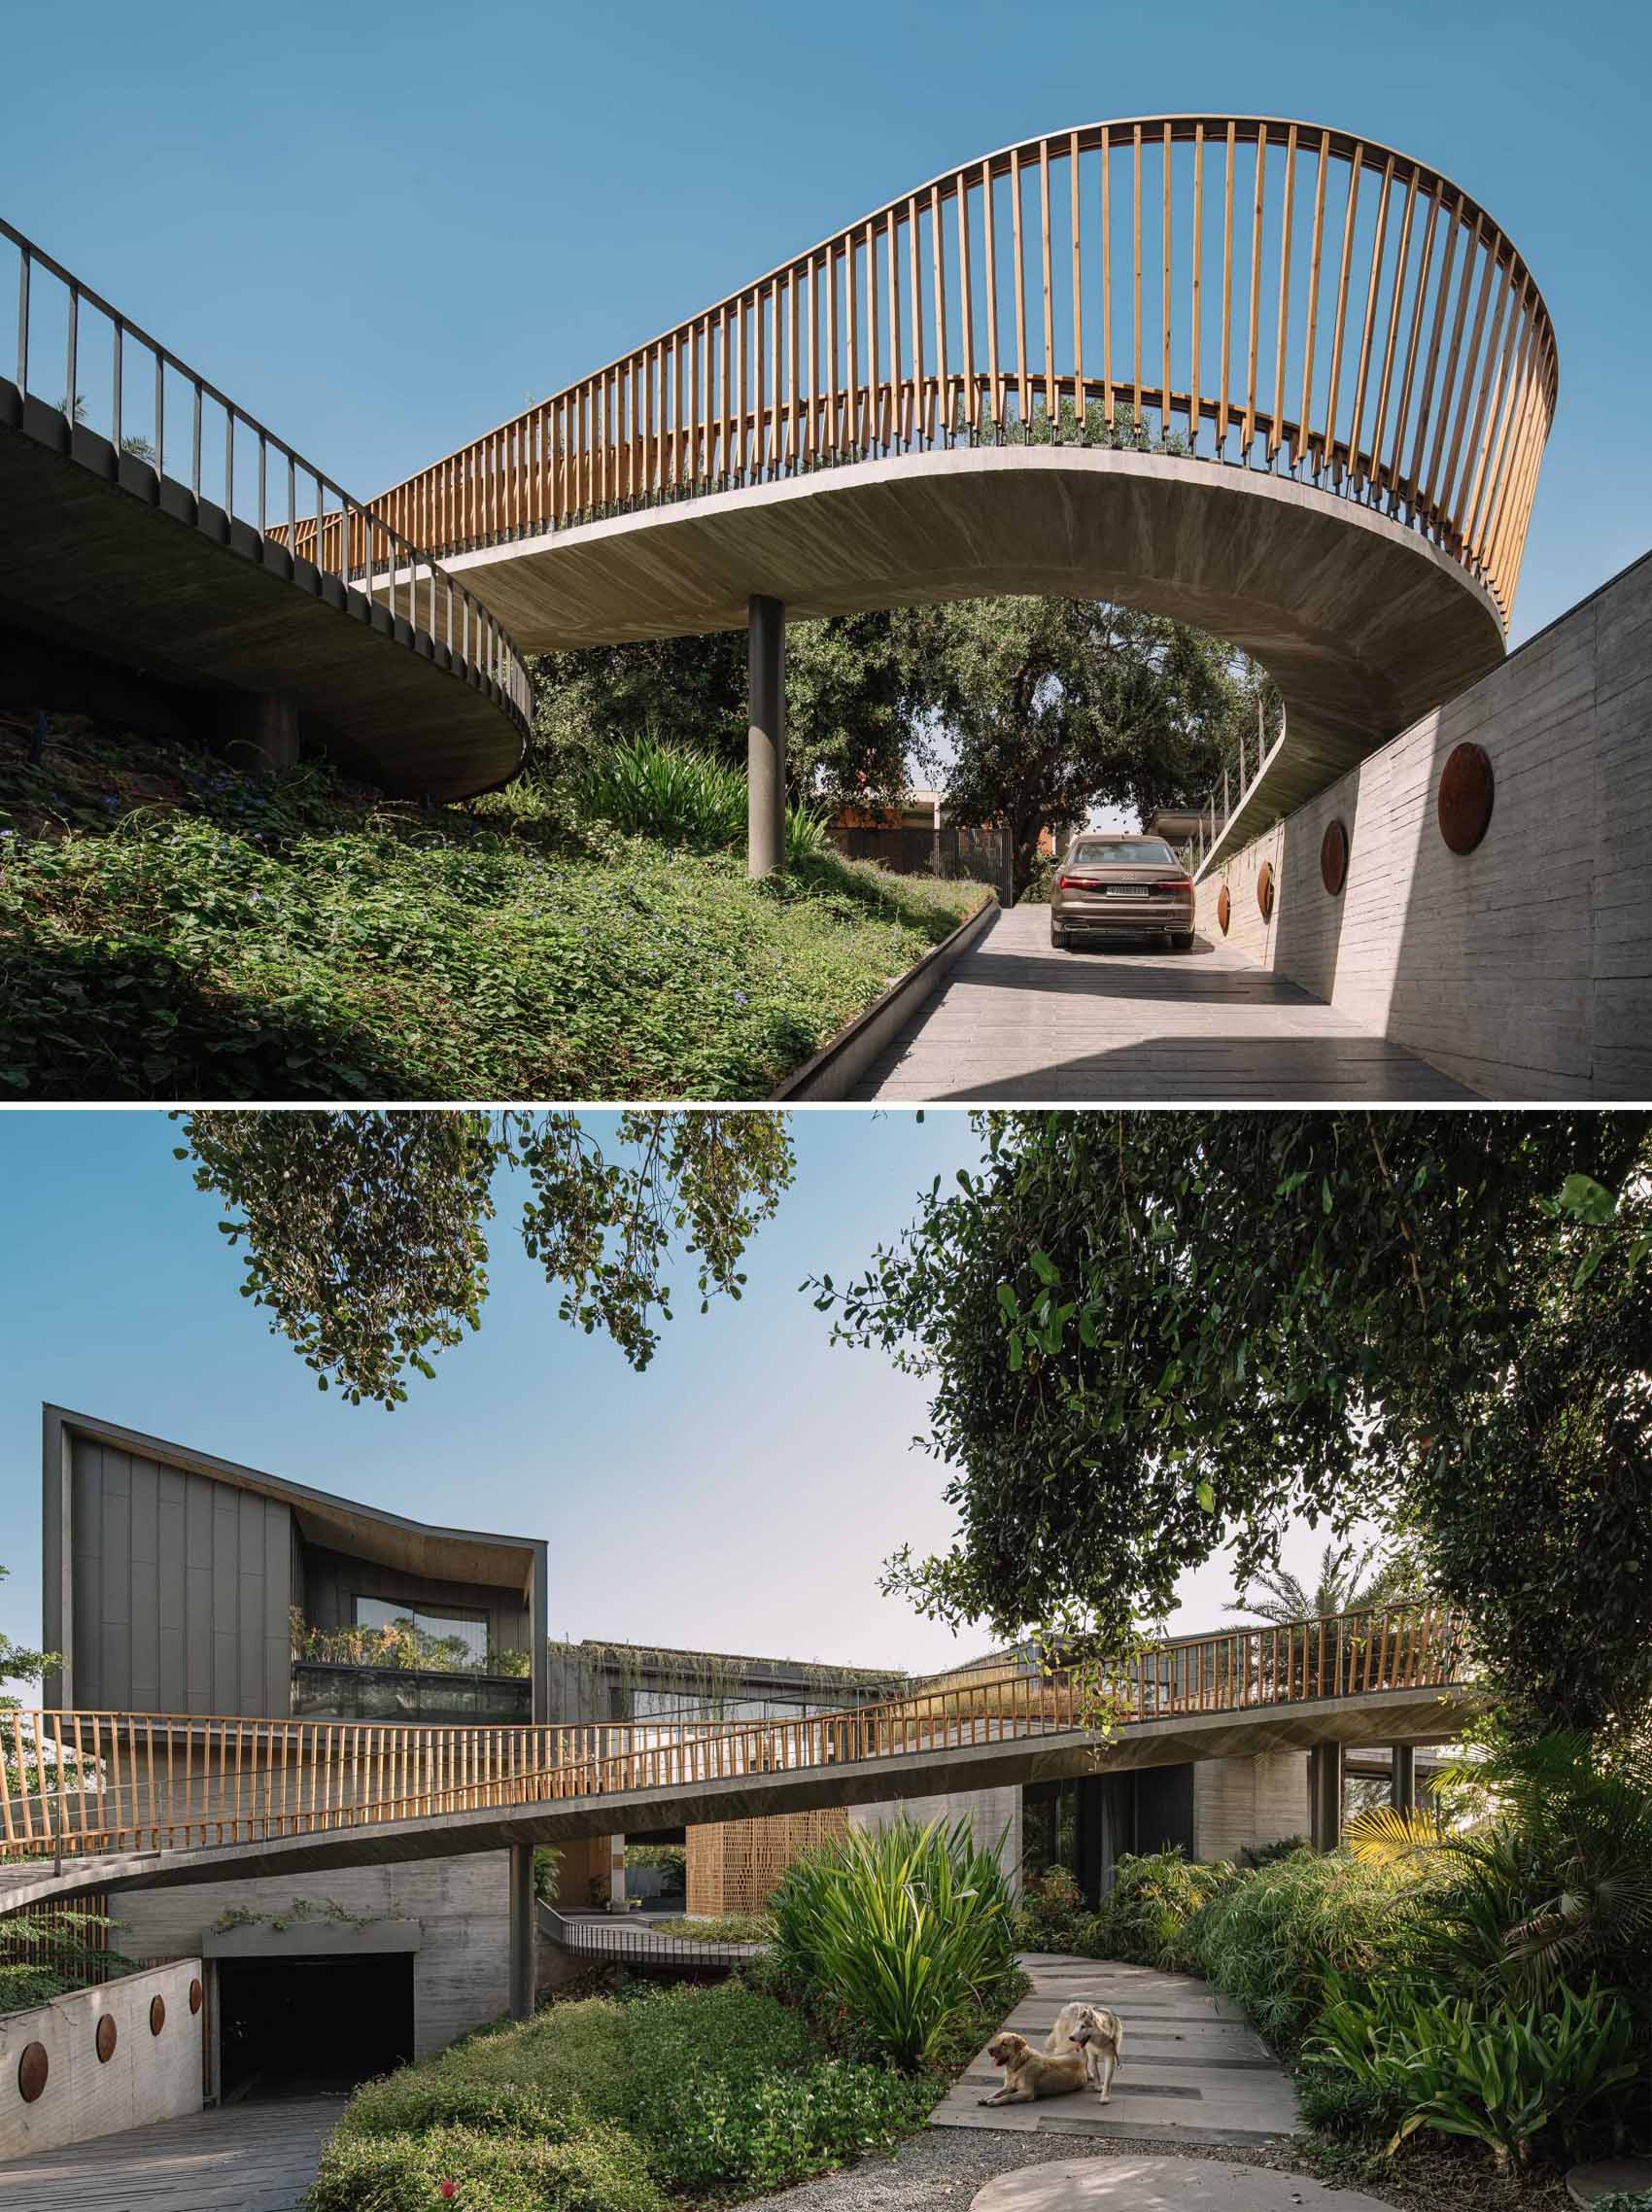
(1030,2073)
(1093,2035)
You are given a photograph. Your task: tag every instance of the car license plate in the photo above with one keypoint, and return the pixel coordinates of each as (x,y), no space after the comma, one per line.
(1127,890)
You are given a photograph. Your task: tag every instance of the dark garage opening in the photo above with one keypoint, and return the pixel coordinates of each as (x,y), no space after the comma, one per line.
(301,2026)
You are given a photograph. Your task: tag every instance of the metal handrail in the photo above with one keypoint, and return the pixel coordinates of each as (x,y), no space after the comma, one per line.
(368,552)
(1400,356)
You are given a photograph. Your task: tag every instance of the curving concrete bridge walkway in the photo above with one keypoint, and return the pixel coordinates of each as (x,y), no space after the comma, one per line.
(1016,1020)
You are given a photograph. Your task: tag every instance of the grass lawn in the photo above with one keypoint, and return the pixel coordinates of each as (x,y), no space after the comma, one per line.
(726,1927)
(171,929)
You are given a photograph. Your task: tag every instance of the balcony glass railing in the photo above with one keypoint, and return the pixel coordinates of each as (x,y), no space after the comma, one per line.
(322,1691)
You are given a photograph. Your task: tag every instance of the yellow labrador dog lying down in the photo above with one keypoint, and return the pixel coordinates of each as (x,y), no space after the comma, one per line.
(1030,2073)
(1094,2034)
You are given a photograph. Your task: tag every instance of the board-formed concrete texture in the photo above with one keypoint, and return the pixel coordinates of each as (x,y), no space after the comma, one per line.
(1523,969)
(147,2075)
(240,2157)
(458,1906)
(1162,2185)
(1016,1020)
(994,1816)
(1192,2070)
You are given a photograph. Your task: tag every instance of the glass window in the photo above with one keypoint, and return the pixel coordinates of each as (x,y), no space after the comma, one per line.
(454,1640)
(1143,852)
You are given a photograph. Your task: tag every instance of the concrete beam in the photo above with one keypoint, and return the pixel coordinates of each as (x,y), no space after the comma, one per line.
(766,738)
(523,1931)
(1403,1777)
(1360,622)
(1324,1796)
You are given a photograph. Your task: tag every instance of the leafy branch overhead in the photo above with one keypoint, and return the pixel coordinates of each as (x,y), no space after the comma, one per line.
(1147,1335)
(365,1233)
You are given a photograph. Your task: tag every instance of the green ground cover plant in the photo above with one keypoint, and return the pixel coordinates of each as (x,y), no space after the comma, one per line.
(720,1927)
(170,928)
(606,2103)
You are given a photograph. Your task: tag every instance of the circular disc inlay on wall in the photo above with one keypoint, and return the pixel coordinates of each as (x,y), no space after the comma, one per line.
(157,2015)
(105,2039)
(1466,790)
(195,1995)
(32,2069)
(1333,858)
(1224,908)
(1264,890)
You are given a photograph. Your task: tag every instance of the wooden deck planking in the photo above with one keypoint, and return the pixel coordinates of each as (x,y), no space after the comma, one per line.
(240,2157)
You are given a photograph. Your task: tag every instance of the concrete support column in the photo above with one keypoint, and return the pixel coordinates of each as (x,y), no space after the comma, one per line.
(1324,1796)
(522,1931)
(260,732)
(766,738)
(616,1874)
(1402,1786)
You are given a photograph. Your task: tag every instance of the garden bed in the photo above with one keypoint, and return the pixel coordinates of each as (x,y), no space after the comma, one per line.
(169,928)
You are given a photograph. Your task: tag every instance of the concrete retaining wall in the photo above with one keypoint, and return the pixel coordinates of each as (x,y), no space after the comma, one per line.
(460,1974)
(992,1814)
(1524,968)
(147,2076)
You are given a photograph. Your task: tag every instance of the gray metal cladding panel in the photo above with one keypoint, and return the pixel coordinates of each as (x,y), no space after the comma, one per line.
(181,1587)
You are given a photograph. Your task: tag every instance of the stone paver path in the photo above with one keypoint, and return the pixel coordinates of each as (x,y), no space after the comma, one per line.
(1163,2185)
(1016,1020)
(1192,2071)
(239,2157)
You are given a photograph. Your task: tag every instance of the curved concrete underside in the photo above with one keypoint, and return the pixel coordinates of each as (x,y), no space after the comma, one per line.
(105,562)
(1422,1715)
(1361,623)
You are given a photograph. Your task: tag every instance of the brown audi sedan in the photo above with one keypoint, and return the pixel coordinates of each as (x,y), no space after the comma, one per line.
(1108,885)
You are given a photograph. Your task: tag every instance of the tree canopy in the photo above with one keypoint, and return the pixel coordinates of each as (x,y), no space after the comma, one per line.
(366,1236)
(1031,710)
(1150,1335)
(1043,709)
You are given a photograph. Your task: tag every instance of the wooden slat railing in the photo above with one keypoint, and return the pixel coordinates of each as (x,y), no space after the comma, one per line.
(87,1783)
(1244,288)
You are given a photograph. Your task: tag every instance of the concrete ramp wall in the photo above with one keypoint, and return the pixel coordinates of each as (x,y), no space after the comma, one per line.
(1523,968)
(65,2075)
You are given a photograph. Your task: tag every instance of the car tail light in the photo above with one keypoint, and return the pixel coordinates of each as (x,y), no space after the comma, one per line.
(1080,884)
(1174,883)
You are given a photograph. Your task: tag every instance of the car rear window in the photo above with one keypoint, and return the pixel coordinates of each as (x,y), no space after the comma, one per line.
(1147,851)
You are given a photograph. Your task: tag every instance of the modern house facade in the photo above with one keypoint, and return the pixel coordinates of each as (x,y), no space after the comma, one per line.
(182,1589)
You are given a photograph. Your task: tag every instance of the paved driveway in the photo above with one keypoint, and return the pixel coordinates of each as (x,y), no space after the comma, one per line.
(1016,1020)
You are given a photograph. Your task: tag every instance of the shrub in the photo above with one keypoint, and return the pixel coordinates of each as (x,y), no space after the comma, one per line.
(1268,1939)
(1148,1915)
(1499,2076)
(648,790)
(599,2171)
(758,2128)
(1052,1914)
(419,2098)
(907,1930)
(23,1985)
(721,1927)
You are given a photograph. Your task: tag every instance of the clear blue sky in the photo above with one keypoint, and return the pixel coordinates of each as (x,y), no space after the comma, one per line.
(739,1496)
(383,232)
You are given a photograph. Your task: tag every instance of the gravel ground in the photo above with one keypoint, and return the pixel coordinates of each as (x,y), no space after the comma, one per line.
(941,2170)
